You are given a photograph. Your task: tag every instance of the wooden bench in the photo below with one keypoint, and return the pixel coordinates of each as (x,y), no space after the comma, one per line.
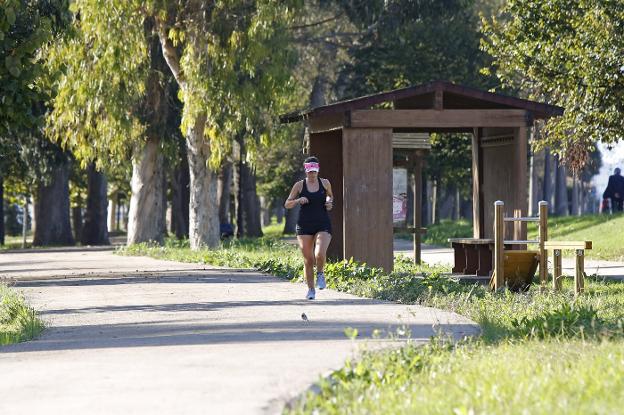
(579,247)
(472,256)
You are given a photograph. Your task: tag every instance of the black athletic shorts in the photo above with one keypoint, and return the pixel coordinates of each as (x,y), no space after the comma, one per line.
(314,228)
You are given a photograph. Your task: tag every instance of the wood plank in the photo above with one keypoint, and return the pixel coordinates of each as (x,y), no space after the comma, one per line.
(327,123)
(327,147)
(438,119)
(557,280)
(579,274)
(438,101)
(477,199)
(367,161)
(568,245)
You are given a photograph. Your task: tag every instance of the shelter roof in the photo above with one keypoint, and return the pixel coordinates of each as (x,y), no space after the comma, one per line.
(423,96)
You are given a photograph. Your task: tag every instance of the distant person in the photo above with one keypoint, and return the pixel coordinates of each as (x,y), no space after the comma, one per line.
(313,226)
(615,190)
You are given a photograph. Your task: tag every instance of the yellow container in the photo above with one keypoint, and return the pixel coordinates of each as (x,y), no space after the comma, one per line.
(520,267)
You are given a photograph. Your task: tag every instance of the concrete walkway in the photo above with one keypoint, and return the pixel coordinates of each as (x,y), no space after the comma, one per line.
(141,336)
(444,256)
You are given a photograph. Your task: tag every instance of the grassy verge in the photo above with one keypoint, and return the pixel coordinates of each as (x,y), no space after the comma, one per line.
(18,322)
(540,353)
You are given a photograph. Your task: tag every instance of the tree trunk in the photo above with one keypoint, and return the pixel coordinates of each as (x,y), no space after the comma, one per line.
(146,219)
(434,202)
(265,210)
(76,218)
(547,187)
(561,190)
(112,214)
(279,210)
(248,206)
(52,210)
(224,191)
(576,207)
(1,211)
(25,222)
(204,205)
(290,222)
(457,204)
(95,230)
(180,200)
(425,208)
(532,177)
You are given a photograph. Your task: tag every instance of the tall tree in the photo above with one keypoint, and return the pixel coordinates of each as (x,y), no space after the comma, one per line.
(95,229)
(113,102)
(222,85)
(570,52)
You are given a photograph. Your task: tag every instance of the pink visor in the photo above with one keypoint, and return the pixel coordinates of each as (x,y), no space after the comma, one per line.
(311,167)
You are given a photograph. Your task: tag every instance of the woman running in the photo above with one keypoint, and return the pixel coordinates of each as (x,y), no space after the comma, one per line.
(313,226)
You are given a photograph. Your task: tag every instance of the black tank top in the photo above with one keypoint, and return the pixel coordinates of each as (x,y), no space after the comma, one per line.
(314,211)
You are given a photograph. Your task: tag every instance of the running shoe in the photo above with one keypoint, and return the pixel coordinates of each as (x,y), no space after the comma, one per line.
(320,280)
(311,294)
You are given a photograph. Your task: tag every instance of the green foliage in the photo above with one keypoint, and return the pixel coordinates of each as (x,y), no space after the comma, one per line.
(18,322)
(25,28)
(567,52)
(99,70)
(569,320)
(234,66)
(415,42)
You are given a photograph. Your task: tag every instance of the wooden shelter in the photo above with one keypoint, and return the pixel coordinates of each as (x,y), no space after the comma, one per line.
(354,142)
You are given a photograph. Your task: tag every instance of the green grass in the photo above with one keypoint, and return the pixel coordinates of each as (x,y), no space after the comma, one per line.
(18,321)
(530,377)
(265,254)
(15,242)
(605,231)
(539,353)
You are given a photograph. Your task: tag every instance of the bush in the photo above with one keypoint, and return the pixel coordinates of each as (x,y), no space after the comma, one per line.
(18,322)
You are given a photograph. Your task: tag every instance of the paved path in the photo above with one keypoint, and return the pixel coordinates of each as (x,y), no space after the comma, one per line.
(444,256)
(141,336)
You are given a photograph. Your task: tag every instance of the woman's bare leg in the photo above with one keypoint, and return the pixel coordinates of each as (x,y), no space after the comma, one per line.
(320,253)
(306,243)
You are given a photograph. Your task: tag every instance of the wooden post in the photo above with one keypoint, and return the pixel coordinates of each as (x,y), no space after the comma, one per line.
(543,237)
(499,247)
(518,228)
(579,275)
(477,172)
(557,269)
(417,188)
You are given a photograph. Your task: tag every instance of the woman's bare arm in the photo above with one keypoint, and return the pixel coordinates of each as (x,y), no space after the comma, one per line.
(329,203)
(292,200)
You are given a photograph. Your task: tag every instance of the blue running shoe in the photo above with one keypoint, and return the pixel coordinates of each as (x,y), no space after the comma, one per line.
(320,280)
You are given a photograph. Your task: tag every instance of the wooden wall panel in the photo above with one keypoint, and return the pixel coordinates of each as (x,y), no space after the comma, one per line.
(504,178)
(327,146)
(367,161)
